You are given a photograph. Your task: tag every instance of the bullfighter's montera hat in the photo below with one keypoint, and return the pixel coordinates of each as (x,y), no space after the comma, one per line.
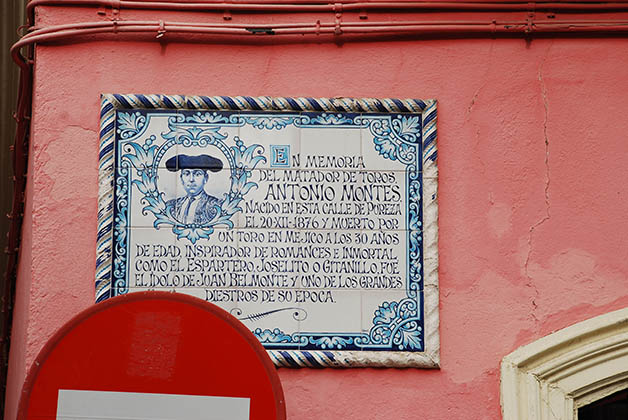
(205,162)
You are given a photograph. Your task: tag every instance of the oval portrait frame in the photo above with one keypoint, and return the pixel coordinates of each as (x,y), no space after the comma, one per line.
(190,131)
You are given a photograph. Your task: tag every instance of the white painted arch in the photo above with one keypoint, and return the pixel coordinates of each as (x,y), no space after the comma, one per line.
(553,376)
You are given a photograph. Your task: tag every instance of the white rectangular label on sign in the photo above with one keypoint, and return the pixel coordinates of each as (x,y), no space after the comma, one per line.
(104,405)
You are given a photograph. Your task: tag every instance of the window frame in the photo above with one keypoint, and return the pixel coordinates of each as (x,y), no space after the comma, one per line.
(555,375)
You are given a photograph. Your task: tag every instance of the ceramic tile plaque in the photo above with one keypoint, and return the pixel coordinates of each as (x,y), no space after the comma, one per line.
(312,221)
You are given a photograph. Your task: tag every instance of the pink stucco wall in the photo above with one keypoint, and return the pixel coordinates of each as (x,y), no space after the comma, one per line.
(533,195)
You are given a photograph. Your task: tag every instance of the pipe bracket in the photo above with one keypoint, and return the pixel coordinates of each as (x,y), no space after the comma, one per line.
(338,18)
(162,29)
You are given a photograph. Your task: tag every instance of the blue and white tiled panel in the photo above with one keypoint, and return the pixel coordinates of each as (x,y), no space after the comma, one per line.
(325,242)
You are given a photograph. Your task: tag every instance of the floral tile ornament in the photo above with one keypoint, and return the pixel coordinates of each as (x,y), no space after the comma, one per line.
(312,221)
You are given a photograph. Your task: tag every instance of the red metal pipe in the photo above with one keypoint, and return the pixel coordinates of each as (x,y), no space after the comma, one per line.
(412,27)
(392,5)
(322,6)
(185,26)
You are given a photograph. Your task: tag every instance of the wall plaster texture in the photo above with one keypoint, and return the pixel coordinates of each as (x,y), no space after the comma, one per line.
(532,192)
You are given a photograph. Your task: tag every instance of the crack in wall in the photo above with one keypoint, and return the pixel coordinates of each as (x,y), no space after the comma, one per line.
(546,401)
(547,216)
(544,390)
(476,94)
(489,64)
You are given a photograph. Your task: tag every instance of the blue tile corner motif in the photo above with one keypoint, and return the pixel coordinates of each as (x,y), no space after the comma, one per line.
(289,246)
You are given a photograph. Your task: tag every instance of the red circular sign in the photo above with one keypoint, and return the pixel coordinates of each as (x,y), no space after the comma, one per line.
(156,347)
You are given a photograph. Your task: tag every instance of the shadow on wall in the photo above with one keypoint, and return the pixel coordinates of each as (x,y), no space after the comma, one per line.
(12,15)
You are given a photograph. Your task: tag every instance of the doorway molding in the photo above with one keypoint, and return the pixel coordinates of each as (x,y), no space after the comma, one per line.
(552,377)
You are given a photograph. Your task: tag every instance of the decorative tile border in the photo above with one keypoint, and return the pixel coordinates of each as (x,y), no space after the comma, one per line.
(406,330)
